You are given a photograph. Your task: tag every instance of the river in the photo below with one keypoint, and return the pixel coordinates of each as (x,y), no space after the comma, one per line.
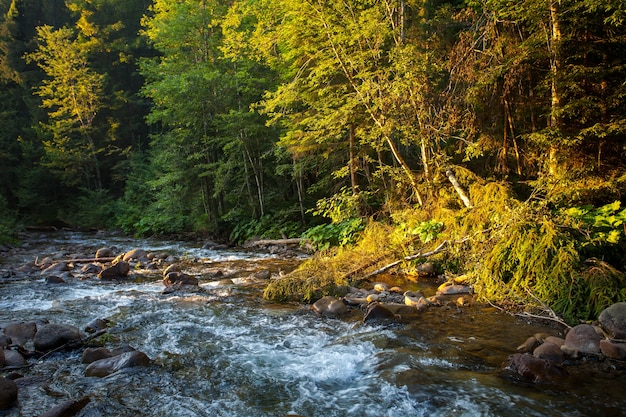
(227,352)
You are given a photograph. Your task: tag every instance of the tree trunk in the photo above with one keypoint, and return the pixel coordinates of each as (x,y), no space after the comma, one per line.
(555,69)
(352,141)
(459,190)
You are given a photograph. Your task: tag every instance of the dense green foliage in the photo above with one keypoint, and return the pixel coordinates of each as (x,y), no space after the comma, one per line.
(497,125)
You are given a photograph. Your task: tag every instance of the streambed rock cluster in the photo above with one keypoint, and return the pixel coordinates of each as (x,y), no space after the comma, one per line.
(384,302)
(24,345)
(546,358)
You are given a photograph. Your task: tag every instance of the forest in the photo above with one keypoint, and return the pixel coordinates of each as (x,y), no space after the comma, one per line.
(494,130)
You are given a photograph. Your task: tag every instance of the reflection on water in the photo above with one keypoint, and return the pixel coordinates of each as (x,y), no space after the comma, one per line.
(219,354)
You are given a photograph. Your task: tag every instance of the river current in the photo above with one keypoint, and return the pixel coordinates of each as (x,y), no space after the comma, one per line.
(227,352)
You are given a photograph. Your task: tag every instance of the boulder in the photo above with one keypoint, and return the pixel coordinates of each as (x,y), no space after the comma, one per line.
(91,355)
(115,271)
(416,299)
(67,408)
(104,253)
(549,351)
(171,268)
(613,350)
(52,336)
(104,367)
(134,254)
(21,333)
(96,325)
(376,312)
(582,339)
(613,320)
(179,278)
(8,393)
(263,274)
(534,369)
(13,359)
(5,341)
(556,340)
(454,289)
(529,345)
(53,279)
(427,269)
(56,268)
(91,269)
(330,306)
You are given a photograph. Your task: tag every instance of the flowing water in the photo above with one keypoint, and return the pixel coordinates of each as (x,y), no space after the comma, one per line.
(226,352)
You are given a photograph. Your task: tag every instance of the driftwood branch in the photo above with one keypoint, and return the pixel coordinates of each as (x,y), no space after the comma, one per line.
(271,242)
(435,251)
(89,260)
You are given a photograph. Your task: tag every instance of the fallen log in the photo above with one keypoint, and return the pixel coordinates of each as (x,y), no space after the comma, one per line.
(276,242)
(89,260)
(387,267)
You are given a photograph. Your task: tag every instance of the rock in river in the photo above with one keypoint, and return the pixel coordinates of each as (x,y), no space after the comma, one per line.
(330,306)
(582,339)
(104,367)
(8,393)
(117,270)
(52,336)
(613,320)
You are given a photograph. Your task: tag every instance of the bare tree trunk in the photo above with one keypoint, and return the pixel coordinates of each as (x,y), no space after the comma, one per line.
(459,190)
(555,68)
(352,141)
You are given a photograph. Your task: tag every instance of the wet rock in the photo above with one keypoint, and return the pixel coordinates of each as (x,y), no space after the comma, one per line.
(179,278)
(613,320)
(330,306)
(67,408)
(104,367)
(464,300)
(400,309)
(453,289)
(534,369)
(2,358)
(52,336)
(559,341)
(263,274)
(104,253)
(380,287)
(171,268)
(56,268)
(91,269)
(416,299)
(376,312)
(21,333)
(13,359)
(613,350)
(8,393)
(96,325)
(5,341)
(427,269)
(134,254)
(372,298)
(28,268)
(115,271)
(53,279)
(91,355)
(549,351)
(582,339)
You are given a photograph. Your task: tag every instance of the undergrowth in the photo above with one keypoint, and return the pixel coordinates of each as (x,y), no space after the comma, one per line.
(519,254)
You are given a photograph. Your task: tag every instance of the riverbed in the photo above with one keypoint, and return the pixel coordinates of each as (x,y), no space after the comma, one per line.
(224,351)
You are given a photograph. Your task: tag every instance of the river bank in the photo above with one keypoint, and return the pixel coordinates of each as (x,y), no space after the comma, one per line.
(226,351)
